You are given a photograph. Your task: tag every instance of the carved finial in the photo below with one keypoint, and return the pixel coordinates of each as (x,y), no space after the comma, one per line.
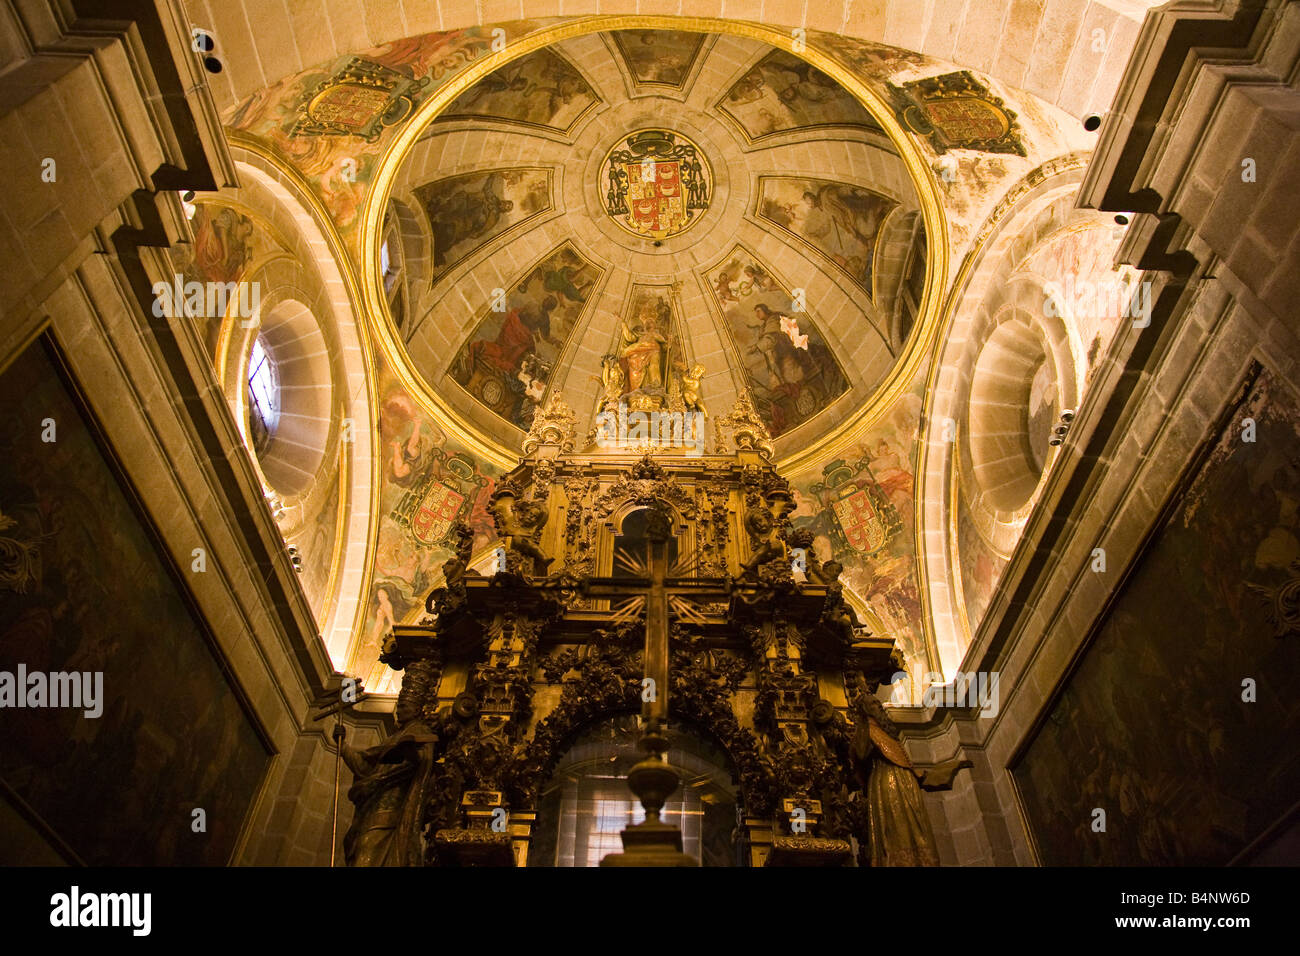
(553,424)
(774,487)
(747,430)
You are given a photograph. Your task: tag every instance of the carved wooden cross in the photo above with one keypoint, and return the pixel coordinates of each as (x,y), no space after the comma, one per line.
(652,780)
(662,590)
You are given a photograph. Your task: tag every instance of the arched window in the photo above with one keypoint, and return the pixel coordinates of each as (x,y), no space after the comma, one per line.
(587,804)
(630,546)
(390,254)
(263,396)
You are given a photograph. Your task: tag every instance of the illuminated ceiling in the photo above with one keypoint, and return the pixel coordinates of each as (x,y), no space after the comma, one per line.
(773,247)
(812,229)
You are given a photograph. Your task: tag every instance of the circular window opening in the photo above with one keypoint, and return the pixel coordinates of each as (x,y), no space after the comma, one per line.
(1014,401)
(263,397)
(1041,412)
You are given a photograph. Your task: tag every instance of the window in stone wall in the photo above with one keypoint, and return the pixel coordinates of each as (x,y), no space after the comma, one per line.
(586,805)
(263,397)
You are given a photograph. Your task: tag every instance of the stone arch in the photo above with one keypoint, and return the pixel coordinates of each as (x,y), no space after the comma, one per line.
(353,438)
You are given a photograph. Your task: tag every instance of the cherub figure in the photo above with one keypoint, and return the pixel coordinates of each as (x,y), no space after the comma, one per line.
(691,389)
(723,286)
(767,533)
(517,524)
(451,596)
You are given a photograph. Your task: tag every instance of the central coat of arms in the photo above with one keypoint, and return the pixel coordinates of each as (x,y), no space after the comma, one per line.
(658,183)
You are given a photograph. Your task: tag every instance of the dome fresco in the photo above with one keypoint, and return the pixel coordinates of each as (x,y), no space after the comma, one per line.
(676,214)
(766,279)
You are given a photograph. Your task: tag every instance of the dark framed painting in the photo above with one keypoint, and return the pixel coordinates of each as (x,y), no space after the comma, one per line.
(1169,722)
(87,591)
(661,58)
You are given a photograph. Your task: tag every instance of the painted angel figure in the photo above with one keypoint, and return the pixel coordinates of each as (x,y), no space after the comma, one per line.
(723,286)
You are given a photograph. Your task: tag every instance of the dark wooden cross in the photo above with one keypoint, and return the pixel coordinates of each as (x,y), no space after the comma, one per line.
(659,590)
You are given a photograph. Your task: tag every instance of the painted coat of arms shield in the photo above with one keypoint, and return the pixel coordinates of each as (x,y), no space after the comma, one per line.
(362,98)
(348,105)
(435,512)
(860,520)
(966,119)
(957,111)
(656,203)
(658,183)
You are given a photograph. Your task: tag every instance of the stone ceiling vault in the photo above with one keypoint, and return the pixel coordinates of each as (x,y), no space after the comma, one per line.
(825,145)
(425,162)
(1044,49)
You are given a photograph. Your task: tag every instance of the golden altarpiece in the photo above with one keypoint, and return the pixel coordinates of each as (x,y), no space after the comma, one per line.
(644,581)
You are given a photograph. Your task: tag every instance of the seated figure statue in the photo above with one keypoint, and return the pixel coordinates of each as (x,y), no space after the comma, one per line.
(767,533)
(518,523)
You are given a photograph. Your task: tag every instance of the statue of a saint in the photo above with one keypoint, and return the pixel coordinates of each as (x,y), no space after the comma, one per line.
(898,829)
(392,778)
(642,353)
(612,377)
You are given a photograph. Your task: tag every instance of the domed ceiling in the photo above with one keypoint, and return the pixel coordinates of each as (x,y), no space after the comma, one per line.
(606,214)
(658,212)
